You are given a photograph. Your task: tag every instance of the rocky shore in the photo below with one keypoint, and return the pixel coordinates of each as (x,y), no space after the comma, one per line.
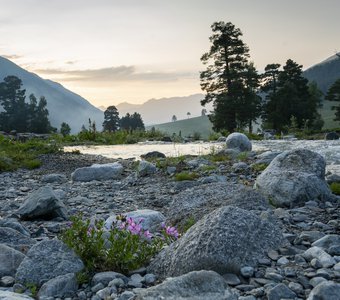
(264,226)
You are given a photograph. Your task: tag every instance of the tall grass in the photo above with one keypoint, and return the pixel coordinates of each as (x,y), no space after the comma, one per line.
(15,154)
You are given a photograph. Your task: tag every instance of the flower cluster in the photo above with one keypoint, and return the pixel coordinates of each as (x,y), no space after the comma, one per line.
(170,231)
(124,247)
(134,227)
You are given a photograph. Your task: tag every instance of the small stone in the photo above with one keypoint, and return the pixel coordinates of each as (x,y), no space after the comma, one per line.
(290,272)
(264,261)
(118,282)
(127,295)
(246,298)
(296,287)
(97,287)
(282,261)
(315,252)
(317,280)
(149,279)
(247,272)
(231,279)
(274,276)
(315,263)
(337,267)
(104,293)
(280,291)
(7,281)
(82,295)
(273,255)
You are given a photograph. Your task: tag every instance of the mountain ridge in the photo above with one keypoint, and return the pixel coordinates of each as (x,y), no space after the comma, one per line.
(63,105)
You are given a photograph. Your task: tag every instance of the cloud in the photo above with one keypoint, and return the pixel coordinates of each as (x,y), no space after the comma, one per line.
(120,73)
(12,56)
(71,62)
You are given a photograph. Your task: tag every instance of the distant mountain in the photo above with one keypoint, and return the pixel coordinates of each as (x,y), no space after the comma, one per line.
(63,105)
(156,111)
(324,73)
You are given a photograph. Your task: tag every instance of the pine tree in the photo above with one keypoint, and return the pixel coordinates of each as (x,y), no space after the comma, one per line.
(225,79)
(111,119)
(289,97)
(333,94)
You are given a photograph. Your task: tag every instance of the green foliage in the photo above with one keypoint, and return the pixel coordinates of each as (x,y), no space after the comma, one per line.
(163,163)
(111,119)
(289,97)
(65,129)
(230,80)
(259,167)
(186,176)
(19,115)
(196,136)
(335,188)
(16,154)
(243,156)
(33,289)
(125,247)
(110,138)
(132,122)
(333,94)
(214,136)
(187,224)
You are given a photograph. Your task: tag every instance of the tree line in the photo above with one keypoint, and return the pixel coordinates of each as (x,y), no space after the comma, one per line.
(129,122)
(241,96)
(19,114)
(33,116)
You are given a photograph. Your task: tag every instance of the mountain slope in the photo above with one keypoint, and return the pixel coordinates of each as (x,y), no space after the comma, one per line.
(187,127)
(324,73)
(63,105)
(156,111)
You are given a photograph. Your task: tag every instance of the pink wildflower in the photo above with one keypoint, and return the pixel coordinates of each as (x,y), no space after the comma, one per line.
(171,231)
(147,234)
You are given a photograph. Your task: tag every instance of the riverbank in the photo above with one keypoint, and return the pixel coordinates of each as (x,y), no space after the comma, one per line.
(220,179)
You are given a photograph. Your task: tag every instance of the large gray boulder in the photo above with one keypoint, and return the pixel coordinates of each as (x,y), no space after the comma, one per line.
(149,219)
(15,239)
(293,178)
(196,202)
(238,141)
(98,172)
(10,259)
(327,290)
(223,241)
(7,295)
(198,285)
(46,260)
(42,204)
(60,287)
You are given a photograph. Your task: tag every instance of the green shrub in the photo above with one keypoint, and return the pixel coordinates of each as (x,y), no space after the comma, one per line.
(259,167)
(123,248)
(16,154)
(335,188)
(243,156)
(186,176)
(187,224)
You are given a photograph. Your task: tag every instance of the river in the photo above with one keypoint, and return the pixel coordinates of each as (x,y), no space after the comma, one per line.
(330,150)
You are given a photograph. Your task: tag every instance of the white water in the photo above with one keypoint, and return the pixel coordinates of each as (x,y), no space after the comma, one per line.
(330,150)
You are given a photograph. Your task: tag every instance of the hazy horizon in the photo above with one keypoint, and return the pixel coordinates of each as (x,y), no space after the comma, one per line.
(114,51)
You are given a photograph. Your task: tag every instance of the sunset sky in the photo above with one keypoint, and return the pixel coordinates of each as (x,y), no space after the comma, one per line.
(113,51)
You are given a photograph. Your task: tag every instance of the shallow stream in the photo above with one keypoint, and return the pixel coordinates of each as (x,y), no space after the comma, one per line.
(330,150)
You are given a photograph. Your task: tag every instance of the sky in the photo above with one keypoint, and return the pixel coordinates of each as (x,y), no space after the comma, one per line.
(113,51)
